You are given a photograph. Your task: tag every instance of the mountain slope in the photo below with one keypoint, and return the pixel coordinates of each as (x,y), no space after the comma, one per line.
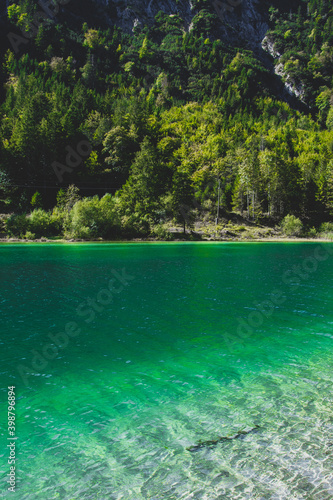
(159,112)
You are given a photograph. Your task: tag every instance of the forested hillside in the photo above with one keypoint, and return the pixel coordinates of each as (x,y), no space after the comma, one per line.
(159,116)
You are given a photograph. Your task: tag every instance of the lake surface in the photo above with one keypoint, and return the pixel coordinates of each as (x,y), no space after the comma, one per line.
(168,345)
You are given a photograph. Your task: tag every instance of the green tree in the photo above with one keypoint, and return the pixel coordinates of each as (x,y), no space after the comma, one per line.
(183,199)
(37,200)
(67,199)
(148,180)
(329,121)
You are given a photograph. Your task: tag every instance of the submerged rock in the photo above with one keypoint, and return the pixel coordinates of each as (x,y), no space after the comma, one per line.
(214,442)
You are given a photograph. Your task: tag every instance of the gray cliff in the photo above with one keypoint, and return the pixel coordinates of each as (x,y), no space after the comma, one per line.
(239,21)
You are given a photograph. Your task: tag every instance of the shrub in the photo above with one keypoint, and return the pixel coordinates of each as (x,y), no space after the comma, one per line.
(17,225)
(326,230)
(42,223)
(291,226)
(161,232)
(59,218)
(326,227)
(29,236)
(91,218)
(136,225)
(312,232)
(3,221)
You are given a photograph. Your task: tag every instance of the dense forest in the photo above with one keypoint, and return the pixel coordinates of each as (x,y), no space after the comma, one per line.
(112,133)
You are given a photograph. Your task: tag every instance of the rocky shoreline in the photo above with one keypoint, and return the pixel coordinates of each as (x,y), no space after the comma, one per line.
(281,239)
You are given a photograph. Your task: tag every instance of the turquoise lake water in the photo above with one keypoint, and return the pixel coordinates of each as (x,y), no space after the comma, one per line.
(168,345)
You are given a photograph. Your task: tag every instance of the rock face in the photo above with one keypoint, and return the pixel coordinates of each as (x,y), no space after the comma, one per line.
(290,86)
(239,20)
(3,9)
(244,24)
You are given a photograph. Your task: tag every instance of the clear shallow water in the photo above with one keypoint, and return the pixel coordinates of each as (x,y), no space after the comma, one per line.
(166,365)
